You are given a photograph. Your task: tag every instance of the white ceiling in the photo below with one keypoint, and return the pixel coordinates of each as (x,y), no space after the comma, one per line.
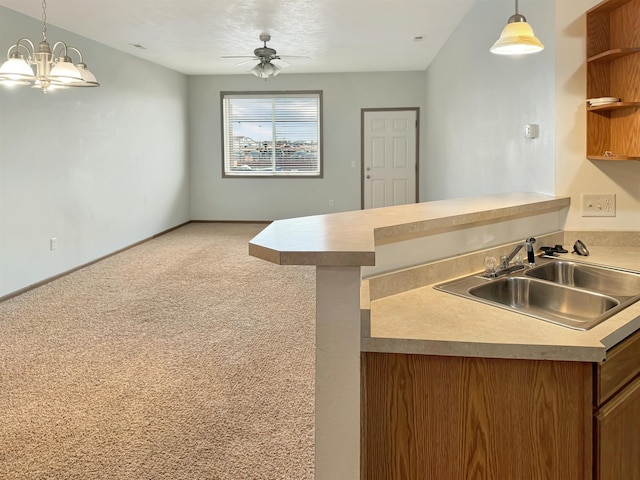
(190,36)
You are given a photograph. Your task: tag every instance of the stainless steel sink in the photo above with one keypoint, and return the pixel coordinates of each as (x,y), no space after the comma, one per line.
(571,294)
(600,279)
(567,306)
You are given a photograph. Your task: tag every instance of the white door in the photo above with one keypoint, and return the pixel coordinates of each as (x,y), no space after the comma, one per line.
(389,157)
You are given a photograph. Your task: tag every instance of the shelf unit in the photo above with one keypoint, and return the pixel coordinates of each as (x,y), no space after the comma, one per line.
(613,106)
(613,70)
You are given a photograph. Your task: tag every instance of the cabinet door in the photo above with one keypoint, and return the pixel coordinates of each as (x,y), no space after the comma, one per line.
(451,418)
(618,436)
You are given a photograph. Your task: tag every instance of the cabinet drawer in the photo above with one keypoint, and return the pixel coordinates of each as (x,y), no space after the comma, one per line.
(621,366)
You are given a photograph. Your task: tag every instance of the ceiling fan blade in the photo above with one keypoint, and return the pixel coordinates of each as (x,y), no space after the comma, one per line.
(238,56)
(279,62)
(251,60)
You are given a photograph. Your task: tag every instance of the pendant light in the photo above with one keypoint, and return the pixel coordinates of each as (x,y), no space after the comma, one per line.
(54,67)
(517,37)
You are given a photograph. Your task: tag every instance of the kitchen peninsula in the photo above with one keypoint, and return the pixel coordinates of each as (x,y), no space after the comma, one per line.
(400,251)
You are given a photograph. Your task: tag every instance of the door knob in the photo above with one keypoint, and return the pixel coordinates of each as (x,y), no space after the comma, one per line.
(368,176)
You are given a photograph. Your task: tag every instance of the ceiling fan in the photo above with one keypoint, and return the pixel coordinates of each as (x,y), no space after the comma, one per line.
(270,63)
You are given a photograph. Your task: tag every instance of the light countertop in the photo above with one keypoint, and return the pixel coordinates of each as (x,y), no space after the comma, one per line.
(350,238)
(427,321)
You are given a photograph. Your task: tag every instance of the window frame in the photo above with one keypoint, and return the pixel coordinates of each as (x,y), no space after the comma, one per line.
(271,94)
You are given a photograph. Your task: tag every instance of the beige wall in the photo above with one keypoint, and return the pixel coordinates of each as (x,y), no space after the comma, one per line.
(574,174)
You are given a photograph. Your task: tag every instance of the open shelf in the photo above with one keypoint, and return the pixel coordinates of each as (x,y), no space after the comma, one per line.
(613,158)
(613,70)
(614,106)
(613,54)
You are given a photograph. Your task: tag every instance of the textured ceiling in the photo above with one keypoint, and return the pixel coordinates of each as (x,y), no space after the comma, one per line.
(190,36)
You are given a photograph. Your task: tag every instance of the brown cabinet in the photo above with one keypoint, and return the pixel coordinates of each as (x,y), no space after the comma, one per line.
(613,70)
(617,418)
(457,418)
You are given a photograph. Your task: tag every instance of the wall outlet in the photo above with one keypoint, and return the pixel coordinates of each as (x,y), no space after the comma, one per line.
(598,205)
(332,203)
(53,243)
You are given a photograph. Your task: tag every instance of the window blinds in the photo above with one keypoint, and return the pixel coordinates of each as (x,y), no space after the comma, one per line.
(269,134)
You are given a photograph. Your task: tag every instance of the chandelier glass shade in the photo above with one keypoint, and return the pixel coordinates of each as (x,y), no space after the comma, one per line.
(517,37)
(54,67)
(265,69)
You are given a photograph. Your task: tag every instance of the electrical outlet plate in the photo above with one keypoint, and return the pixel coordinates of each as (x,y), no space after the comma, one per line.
(598,205)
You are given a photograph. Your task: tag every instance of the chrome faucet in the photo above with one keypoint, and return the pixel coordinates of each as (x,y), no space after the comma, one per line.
(528,244)
(505,260)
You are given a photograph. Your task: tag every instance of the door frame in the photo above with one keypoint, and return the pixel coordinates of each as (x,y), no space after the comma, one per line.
(390,109)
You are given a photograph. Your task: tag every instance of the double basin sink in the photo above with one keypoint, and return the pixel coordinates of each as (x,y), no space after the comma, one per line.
(568,293)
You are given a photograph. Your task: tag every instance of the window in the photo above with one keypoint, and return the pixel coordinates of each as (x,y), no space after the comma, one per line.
(272,134)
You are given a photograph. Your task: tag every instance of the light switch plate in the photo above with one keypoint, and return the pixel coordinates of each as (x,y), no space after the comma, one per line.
(531,131)
(598,205)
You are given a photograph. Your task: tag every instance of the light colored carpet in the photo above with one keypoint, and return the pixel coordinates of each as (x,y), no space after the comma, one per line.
(181,358)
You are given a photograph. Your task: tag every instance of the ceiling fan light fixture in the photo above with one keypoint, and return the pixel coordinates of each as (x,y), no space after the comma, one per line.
(517,37)
(265,70)
(270,63)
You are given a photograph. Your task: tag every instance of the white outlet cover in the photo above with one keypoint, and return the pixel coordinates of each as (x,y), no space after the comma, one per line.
(598,205)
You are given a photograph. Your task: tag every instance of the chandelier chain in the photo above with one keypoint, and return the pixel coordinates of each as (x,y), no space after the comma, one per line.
(44,20)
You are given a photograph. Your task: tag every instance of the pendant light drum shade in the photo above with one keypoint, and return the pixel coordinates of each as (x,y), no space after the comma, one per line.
(517,37)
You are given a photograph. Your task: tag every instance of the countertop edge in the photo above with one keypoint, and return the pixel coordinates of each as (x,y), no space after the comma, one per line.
(319,258)
(513,351)
(621,333)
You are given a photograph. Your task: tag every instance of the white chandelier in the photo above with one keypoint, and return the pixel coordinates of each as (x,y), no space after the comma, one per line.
(54,67)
